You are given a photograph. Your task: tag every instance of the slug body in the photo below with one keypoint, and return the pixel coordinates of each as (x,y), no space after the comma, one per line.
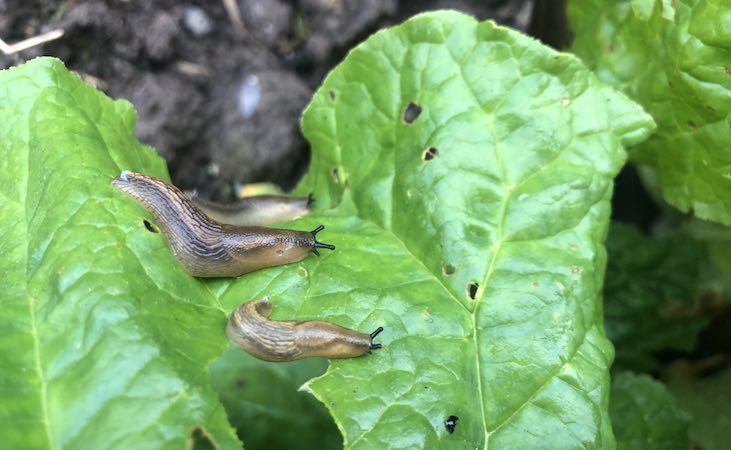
(249,327)
(257,210)
(206,248)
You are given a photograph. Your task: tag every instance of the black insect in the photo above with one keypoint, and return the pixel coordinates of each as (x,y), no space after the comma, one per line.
(451,423)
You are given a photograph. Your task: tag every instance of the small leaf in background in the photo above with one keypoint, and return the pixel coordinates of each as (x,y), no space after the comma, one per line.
(645,415)
(674,59)
(105,341)
(650,296)
(708,400)
(262,400)
(716,267)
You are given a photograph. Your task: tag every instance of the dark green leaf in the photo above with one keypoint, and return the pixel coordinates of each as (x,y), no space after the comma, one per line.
(261,401)
(651,295)
(708,400)
(645,415)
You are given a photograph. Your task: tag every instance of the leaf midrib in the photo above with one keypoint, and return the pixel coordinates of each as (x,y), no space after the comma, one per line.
(43,394)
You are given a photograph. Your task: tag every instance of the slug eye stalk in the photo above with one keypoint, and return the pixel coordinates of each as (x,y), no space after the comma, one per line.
(373,336)
(320,244)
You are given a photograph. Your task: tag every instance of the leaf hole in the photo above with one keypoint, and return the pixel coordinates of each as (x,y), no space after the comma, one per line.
(331,94)
(451,423)
(149,226)
(430,153)
(691,124)
(448,269)
(472,289)
(411,113)
(336,175)
(710,108)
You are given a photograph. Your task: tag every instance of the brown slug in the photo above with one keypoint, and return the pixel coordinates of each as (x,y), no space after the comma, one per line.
(257,210)
(206,248)
(249,327)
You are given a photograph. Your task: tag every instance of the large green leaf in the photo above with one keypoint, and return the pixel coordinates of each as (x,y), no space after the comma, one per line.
(645,415)
(105,342)
(484,263)
(515,200)
(651,295)
(673,58)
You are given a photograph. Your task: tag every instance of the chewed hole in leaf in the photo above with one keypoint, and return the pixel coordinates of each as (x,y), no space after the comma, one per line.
(430,153)
(472,289)
(336,175)
(448,269)
(451,423)
(411,113)
(151,228)
(331,94)
(200,439)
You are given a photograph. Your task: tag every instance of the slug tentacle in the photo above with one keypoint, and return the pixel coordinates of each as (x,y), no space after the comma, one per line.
(286,340)
(319,244)
(373,336)
(206,248)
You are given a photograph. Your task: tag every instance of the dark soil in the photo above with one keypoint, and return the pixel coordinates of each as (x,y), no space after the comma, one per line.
(221,102)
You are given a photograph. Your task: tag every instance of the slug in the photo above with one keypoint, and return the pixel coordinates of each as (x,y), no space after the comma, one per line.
(257,210)
(206,248)
(249,327)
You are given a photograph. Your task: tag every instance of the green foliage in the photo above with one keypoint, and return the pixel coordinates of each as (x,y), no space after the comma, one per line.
(716,267)
(645,415)
(105,340)
(260,398)
(651,296)
(484,262)
(672,58)
(709,402)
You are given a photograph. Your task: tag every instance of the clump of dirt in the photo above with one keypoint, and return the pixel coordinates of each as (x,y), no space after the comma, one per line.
(219,86)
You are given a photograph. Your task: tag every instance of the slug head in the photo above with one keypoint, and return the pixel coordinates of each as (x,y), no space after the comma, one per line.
(127,182)
(258,247)
(317,244)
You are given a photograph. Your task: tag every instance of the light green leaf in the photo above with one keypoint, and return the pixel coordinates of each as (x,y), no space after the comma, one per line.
(651,295)
(261,399)
(102,346)
(708,400)
(676,64)
(645,415)
(514,199)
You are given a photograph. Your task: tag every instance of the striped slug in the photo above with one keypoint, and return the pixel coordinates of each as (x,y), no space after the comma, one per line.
(206,248)
(249,327)
(258,210)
